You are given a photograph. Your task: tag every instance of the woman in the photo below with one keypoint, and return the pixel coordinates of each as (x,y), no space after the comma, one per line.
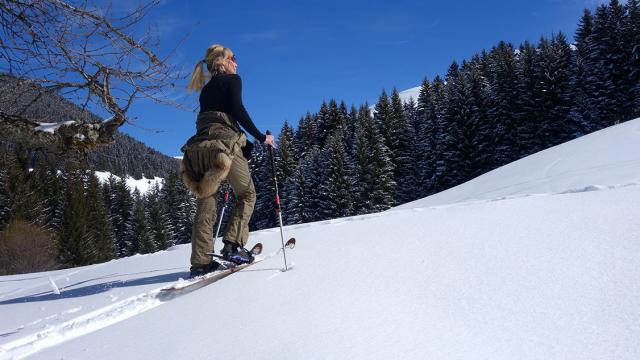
(214,154)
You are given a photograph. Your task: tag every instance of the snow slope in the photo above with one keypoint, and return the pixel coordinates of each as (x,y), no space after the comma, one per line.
(412,93)
(504,276)
(604,159)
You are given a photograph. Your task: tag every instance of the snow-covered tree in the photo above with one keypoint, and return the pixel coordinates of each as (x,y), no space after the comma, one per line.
(141,237)
(339,199)
(98,222)
(160,228)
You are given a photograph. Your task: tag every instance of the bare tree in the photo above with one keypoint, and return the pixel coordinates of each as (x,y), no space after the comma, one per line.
(87,53)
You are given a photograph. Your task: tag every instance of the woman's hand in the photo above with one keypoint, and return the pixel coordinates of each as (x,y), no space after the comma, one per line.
(269,141)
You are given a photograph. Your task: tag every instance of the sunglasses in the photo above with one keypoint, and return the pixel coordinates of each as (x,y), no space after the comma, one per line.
(233,58)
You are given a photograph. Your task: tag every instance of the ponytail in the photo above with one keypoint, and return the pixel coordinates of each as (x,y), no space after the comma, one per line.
(197,78)
(214,58)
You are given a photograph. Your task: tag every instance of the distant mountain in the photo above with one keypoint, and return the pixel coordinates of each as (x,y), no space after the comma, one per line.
(126,156)
(412,93)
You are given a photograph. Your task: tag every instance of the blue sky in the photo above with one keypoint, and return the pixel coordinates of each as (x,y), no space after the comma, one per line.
(294,54)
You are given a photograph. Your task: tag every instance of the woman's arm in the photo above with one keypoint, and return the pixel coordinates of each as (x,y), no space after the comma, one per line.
(239,112)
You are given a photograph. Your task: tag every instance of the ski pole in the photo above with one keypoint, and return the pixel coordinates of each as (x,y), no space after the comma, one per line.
(226,200)
(277,202)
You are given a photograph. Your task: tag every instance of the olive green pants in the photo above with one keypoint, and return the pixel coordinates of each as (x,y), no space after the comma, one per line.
(237,230)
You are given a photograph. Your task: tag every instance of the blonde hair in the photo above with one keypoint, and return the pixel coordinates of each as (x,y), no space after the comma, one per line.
(214,60)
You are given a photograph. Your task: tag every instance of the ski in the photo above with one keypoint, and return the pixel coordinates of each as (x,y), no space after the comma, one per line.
(290,244)
(198,282)
(188,285)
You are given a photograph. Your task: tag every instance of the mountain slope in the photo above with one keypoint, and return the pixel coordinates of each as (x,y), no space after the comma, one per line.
(126,156)
(551,276)
(607,158)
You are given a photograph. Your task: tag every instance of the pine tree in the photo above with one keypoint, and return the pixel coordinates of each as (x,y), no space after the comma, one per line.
(287,156)
(477,132)
(293,198)
(169,199)
(528,113)
(315,172)
(584,64)
(412,151)
(158,219)
(384,121)
(405,152)
(337,118)
(141,237)
(50,189)
(23,199)
(340,203)
(121,208)
(502,102)
(350,137)
(619,56)
(439,159)
(602,79)
(324,123)
(305,135)
(185,213)
(39,183)
(425,138)
(631,33)
(99,225)
(373,166)
(402,137)
(451,167)
(554,92)
(260,167)
(75,245)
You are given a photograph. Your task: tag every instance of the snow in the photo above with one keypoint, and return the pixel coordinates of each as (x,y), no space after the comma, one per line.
(54,287)
(52,127)
(143,185)
(606,159)
(405,96)
(536,260)
(412,93)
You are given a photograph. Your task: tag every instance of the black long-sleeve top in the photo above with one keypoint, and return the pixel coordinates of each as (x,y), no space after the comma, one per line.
(224,93)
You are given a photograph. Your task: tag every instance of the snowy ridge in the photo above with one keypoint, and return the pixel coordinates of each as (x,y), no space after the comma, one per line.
(408,94)
(405,96)
(143,185)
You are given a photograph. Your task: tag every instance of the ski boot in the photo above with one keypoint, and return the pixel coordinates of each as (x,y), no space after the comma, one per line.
(199,270)
(236,254)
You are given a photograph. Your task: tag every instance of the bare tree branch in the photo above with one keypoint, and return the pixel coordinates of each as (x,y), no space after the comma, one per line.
(80,49)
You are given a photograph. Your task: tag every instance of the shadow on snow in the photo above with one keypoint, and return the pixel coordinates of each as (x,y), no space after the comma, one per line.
(97,288)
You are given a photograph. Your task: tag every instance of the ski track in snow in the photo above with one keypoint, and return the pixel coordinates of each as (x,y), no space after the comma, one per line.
(95,320)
